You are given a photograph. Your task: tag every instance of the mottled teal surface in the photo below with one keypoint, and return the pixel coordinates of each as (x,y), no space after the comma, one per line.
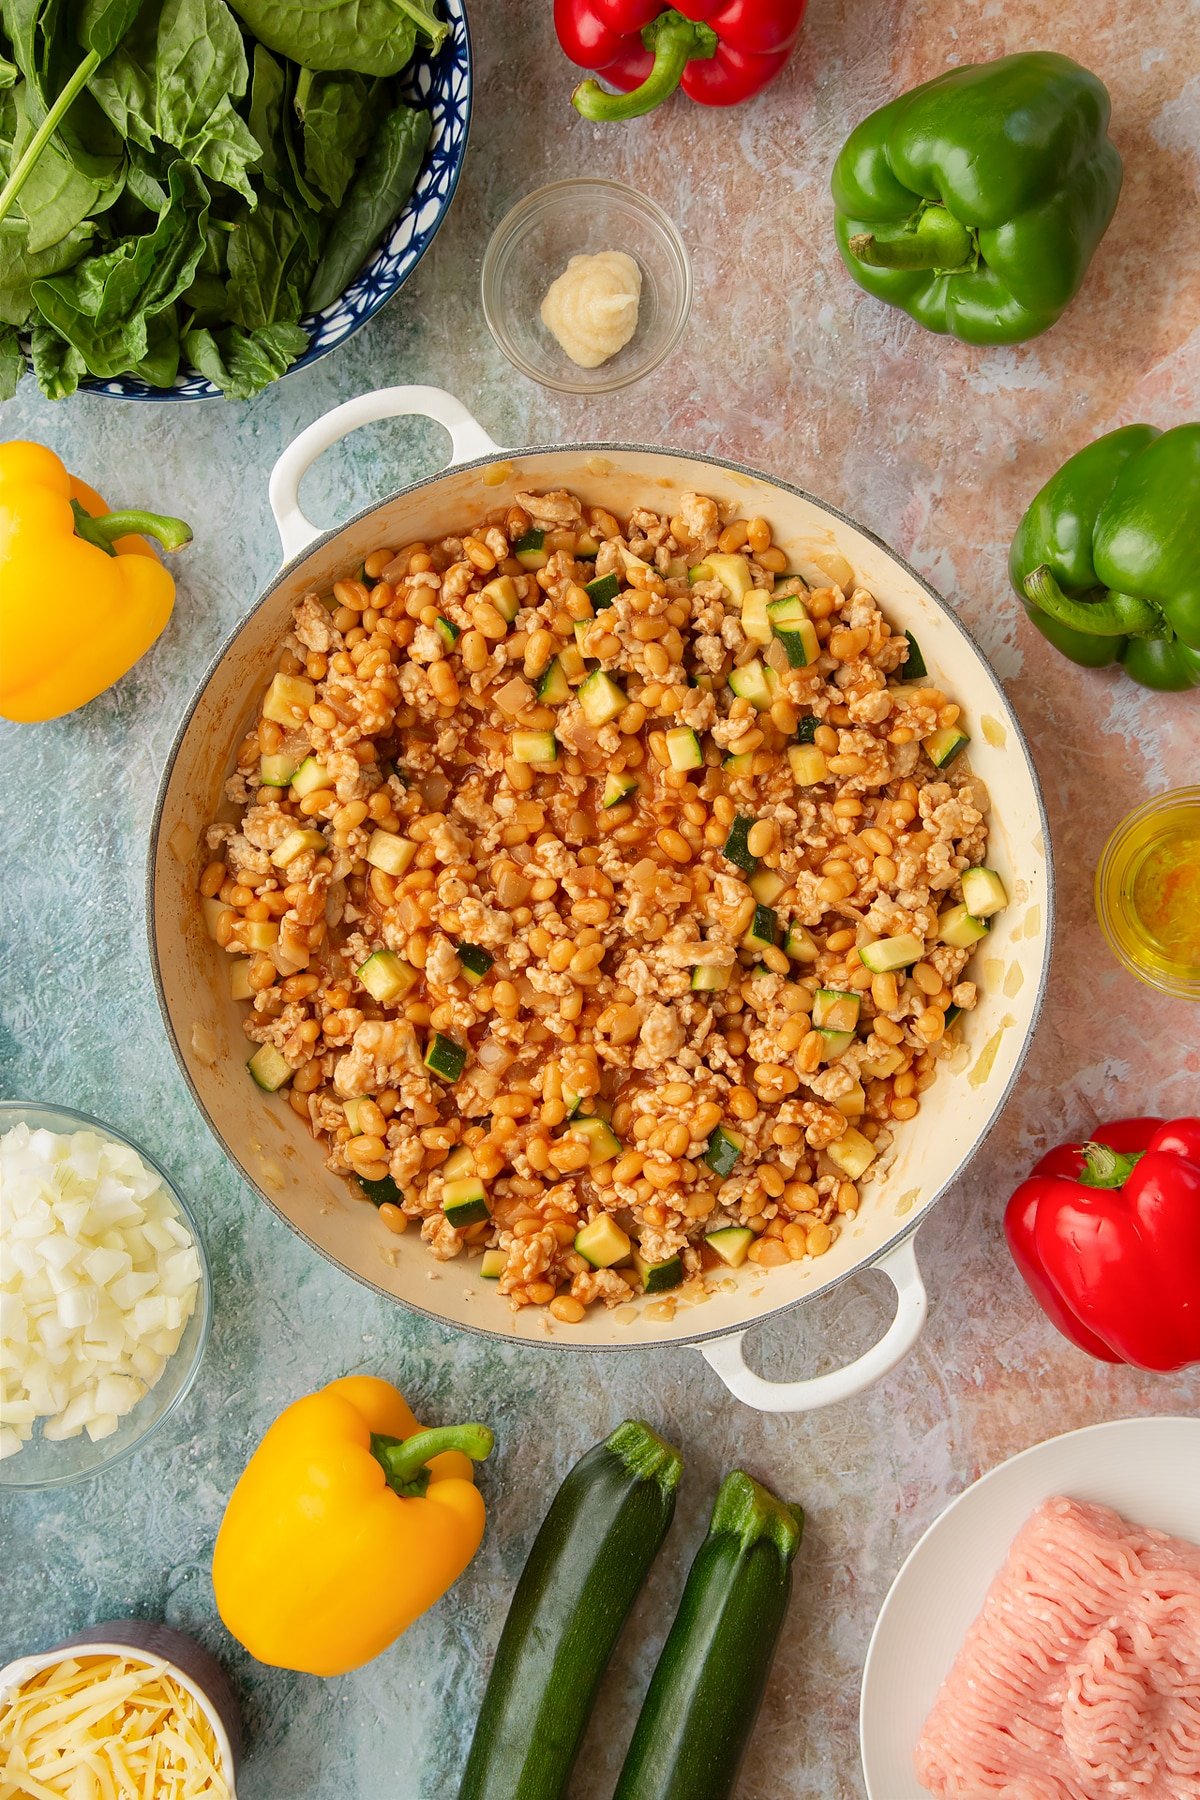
(786,366)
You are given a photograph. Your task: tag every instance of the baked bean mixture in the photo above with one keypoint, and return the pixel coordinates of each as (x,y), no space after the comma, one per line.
(559,849)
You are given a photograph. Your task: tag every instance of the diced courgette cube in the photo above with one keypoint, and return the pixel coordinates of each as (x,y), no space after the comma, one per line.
(711,978)
(310,776)
(603,590)
(958,928)
(657,1277)
(700,572)
(835,1043)
(212,909)
(800,943)
(941,747)
(835,1008)
(618,788)
(763,930)
(464,1202)
(460,1162)
(853,1103)
(239,979)
(380,1193)
(269,1069)
(791,624)
(534,746)
(476,962)
(887,954)
(502,593)
(387,977)
(444,1057)
(294,845)
(733,573)
(683,749)
(742,764)
(603,1242)
(983,892)
(493,1264)
(288,699)
(276,771)
(749,682)
(755,623)
(852,1153)
(766,885)
(735,847)
(259,934)
(724,1148)
(914,664)
(530,550)
(388,851)
(602,1141)
(808,764)
(553,687)
(600,698)
(447,630)
(731,1244)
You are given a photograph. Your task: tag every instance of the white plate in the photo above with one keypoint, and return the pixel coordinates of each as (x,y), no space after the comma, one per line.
(1146,1469)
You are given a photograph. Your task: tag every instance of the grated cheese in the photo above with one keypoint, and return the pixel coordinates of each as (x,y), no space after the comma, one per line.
(107,1728)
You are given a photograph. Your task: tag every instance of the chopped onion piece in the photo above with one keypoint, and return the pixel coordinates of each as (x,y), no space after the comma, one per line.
(98,1278)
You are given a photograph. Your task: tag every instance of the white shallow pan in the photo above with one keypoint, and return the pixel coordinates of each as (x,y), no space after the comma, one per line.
(265,1138)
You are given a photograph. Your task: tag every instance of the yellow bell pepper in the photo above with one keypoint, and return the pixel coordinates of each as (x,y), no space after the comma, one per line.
(82,597)
(349,1521)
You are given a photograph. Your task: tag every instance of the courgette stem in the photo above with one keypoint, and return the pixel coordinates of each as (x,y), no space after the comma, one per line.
(404,1460)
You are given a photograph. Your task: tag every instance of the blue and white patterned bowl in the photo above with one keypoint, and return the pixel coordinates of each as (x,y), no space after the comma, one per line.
(442,83)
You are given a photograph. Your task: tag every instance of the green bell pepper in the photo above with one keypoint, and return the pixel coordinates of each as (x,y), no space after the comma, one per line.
(1107,559)
(976,201)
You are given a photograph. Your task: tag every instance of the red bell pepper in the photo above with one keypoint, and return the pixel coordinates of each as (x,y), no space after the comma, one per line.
(1107,1235)
(719,51)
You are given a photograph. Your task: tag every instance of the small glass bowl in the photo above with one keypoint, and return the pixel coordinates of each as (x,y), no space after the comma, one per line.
(1126,864)
(532,245)
(41,1464)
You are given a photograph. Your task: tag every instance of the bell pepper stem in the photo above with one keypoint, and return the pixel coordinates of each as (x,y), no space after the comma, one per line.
(676,42)
(1104,1167)
(27,160)
(404,1460)
(932,239)
(1117,615)
(172,534)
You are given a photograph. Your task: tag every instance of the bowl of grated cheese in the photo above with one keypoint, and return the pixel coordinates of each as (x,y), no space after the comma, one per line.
(130,1707)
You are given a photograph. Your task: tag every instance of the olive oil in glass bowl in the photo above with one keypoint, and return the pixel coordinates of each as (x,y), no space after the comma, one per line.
(1148,892)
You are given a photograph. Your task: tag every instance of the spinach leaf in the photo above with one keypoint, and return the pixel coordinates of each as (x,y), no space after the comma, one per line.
(338,113)
(20,268)
(103,23)
(242,363)
(160,364)
(177,77)
(272,255)
(267,90)
(384,182)
(12,362)
(376,37)
(49,58)
(57,364)
(102,306)
(55,196)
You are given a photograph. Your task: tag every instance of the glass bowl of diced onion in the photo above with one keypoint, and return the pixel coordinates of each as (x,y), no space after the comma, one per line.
(118,1218)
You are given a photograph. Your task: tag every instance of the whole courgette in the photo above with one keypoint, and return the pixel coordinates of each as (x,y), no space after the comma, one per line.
(705,1692)
(587,1564)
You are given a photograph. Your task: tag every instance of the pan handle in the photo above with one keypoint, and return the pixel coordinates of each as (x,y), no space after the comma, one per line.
(725,1356)
(468,439)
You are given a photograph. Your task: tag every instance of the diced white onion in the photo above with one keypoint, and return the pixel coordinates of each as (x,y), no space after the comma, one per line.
(98,1279)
